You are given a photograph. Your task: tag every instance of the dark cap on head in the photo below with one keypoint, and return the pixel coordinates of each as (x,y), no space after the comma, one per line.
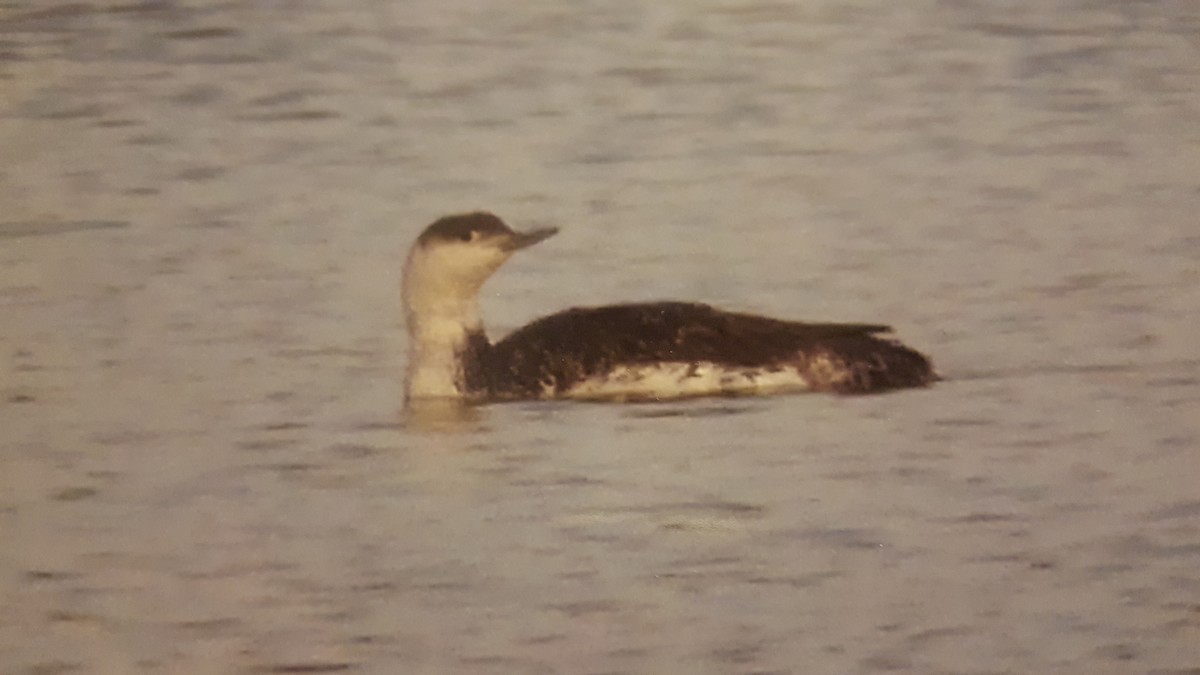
(481,225)
(464,227)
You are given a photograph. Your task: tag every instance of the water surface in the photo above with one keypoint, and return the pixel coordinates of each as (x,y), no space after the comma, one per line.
(204,461)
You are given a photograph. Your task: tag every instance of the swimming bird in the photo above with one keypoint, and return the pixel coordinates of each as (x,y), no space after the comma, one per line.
(626,352)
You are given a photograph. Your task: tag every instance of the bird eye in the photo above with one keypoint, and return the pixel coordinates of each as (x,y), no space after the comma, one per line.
(467,236)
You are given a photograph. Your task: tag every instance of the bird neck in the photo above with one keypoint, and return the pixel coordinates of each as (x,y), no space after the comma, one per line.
(447,351)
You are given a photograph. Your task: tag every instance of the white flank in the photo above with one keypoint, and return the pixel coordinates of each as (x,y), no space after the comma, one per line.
(682,380)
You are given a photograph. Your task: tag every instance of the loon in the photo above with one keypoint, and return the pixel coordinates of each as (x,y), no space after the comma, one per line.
(628,352)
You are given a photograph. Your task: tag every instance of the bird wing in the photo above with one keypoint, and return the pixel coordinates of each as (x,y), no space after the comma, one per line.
(575,344)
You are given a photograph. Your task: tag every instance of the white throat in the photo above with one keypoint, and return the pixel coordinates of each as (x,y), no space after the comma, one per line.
(441,310)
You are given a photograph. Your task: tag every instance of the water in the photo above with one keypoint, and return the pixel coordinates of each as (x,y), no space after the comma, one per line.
(206,469)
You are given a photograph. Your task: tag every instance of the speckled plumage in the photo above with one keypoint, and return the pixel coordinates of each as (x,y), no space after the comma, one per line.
(551,355)
(618,352)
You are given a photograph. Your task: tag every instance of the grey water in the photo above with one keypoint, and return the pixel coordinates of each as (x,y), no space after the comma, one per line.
(205,466)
